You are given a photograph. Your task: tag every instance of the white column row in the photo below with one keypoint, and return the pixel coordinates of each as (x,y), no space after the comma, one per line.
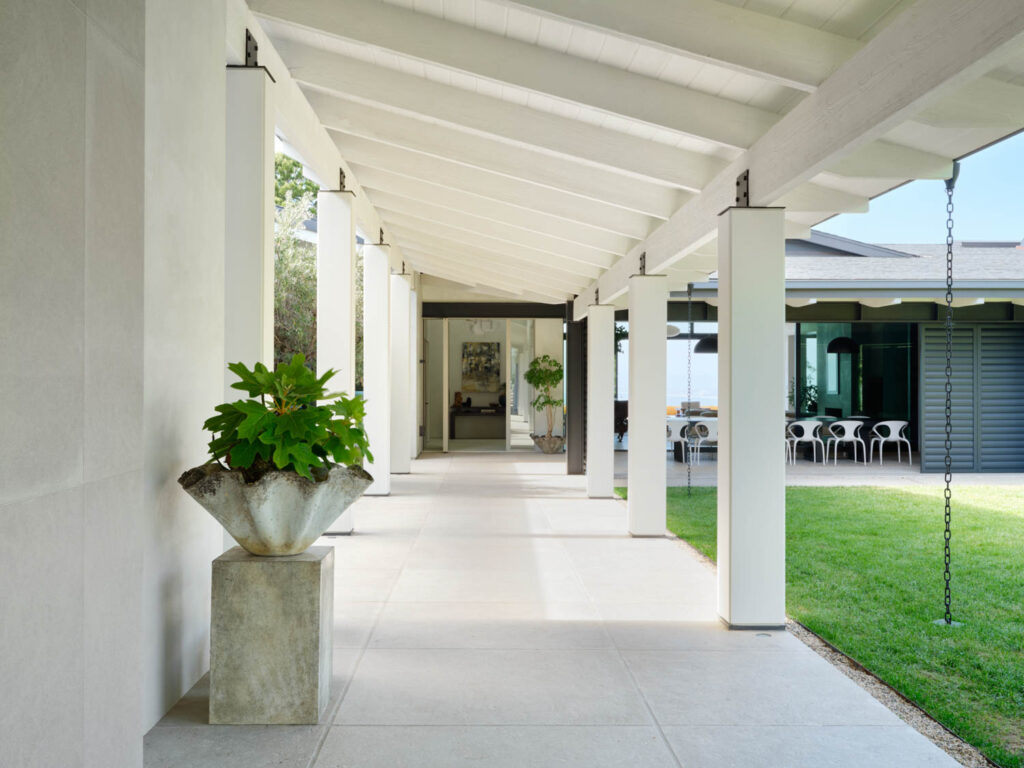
(751,387)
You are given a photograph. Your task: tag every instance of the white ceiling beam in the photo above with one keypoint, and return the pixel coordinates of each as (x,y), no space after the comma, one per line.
(374,180)
(504,60)
(364,153)
(576,274)
(386,202)
(494,245)
(931,49)
(818,199)
(509,122)
(476,278)
(775,49)
(984,103)
(442,252)
(498,275)
(886,160)
(504,160)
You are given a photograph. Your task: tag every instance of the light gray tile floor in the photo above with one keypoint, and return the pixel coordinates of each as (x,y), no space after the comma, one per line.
(488,614)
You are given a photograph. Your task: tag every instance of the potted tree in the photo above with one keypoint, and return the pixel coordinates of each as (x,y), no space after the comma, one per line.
(544,374)
(284,464)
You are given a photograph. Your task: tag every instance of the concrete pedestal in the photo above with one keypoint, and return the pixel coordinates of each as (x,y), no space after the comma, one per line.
(271,637)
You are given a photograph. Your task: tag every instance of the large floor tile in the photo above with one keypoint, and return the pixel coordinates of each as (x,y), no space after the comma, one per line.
(698,636)
(369,551)
(805,747)
(494,747)
(488,553)
(489,625)
(751,688)
(486,687)
(355,585)
(353,622)
(231,746)
(468,586)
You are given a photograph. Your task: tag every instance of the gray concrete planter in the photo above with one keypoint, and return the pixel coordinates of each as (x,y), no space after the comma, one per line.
(280,514)
(553,444)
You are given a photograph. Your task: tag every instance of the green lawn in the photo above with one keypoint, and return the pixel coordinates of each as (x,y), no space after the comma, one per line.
(864,571)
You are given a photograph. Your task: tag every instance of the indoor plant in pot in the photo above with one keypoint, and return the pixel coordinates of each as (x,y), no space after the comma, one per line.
(544,374)
(285,463)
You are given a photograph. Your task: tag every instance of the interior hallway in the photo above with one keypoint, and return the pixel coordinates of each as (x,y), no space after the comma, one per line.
(487,614)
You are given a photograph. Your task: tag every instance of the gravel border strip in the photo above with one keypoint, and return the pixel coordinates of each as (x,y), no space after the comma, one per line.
(906,710)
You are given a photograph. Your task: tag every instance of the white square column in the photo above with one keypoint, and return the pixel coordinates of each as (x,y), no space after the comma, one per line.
(415,373)
(648,316)
(249,222)
(401,394)
(751,422)
(377,364)
(600,401)
(336,301)
(336,289)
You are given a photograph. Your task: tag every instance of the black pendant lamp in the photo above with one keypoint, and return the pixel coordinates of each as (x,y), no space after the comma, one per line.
(707,345)
(840,345)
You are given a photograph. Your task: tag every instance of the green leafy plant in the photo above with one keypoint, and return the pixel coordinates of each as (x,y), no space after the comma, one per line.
(544,374)
(284,425)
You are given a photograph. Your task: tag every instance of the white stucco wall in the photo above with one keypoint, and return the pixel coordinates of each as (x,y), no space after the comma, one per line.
(184,334)
(71,318)
(111,339)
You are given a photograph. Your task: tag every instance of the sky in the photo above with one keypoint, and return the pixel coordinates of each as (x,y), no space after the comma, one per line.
(989,205)
(988,201)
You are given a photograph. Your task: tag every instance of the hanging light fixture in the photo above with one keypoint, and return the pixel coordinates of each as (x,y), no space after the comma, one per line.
(671,331)
(840,345)
(707,345)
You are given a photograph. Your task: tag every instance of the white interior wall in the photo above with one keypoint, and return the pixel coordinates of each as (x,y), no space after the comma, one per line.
(184,334)
(71,313)
(548,340)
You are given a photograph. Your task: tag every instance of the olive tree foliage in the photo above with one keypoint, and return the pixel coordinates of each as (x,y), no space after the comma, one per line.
(290,181)
(294,283)
(295,269)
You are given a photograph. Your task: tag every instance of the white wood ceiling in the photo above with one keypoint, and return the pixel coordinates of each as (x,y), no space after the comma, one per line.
(526,147)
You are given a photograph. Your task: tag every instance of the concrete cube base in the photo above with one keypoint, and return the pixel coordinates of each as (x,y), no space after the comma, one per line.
(271,637)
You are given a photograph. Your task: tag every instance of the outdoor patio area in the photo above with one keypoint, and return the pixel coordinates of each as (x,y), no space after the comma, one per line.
(487,613)
(844,472)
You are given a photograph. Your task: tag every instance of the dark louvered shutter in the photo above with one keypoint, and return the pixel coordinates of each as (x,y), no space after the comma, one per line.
(1000,406)
(933,398)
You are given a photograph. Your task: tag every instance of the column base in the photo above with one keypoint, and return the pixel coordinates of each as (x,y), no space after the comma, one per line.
(752,627)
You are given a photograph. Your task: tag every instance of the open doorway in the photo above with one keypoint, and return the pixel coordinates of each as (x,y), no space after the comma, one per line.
(475,395)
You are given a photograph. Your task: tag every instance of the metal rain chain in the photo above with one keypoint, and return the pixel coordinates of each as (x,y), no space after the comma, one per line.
(947,620)
(689,386)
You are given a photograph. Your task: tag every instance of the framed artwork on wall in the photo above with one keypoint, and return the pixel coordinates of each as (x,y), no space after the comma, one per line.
(481,366)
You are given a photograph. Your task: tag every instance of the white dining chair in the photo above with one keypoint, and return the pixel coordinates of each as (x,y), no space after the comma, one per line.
(706,434)
(807,431)
(847,431)
(889,432)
